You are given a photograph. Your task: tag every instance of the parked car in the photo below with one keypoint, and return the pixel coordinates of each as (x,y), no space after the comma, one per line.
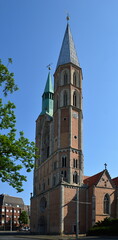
(25,229)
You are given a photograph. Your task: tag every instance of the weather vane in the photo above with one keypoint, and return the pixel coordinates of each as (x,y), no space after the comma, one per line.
(49,66)
(68,17)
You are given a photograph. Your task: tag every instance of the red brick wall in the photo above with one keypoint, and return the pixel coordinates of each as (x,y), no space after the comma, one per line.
(100,193)
(70,207)
(54,210)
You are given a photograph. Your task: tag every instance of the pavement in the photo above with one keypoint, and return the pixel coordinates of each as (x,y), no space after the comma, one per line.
(29,236)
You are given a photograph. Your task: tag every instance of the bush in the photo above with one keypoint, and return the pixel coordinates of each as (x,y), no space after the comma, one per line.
(106,227)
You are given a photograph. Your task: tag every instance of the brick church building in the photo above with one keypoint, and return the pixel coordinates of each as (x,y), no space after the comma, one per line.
(64,200)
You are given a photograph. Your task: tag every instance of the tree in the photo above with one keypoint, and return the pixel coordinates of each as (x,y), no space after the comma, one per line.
(23,219)
(15,154)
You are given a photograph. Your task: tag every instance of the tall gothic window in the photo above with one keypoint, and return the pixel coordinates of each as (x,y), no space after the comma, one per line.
(75,177)
(65,99)
(65,78)
(74,99)
(75,163)
(63,161)
(74,79)
(106,204)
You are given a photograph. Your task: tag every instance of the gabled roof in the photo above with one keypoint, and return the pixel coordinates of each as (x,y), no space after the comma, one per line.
(68,52)
(48,86)
(115,180)
(93,180)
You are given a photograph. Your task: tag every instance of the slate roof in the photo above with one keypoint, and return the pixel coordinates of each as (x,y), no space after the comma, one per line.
(13,201)
(68,52)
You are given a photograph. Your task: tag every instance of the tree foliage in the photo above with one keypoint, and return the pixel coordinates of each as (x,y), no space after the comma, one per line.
(15,154)
(23,219)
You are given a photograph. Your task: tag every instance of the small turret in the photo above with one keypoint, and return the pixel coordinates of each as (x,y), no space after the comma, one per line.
(47,97)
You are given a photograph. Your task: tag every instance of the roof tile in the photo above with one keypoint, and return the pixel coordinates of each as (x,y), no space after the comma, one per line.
(93,180)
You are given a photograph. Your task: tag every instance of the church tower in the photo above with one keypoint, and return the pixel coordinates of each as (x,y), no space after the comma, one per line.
(68,111)
(58,171)
(64,200)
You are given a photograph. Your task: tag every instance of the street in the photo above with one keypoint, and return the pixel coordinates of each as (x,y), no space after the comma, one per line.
(39,237)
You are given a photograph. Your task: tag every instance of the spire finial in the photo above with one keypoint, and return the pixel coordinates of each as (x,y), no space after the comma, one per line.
(49,66)
(68,17)
(105,166)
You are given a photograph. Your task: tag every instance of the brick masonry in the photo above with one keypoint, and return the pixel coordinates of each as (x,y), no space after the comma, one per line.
(58,173)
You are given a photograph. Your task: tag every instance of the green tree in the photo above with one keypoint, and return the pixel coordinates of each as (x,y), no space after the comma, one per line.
(23,219)
(15,153)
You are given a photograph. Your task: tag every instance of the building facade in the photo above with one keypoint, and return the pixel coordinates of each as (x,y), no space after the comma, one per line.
(64,200)
(10,210)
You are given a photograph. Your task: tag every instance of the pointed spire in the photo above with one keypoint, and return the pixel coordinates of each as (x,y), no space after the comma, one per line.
(47,97)
(48,86)
(68,52)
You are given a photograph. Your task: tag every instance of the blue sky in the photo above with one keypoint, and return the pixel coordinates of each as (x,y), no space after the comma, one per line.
(31,34)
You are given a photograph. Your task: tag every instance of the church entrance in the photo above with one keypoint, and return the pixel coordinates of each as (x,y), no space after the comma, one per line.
(42,226)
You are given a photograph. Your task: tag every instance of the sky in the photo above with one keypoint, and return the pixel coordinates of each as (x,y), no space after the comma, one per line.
(31,33)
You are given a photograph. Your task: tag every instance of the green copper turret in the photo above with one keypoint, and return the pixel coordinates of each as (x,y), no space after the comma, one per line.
(47,97)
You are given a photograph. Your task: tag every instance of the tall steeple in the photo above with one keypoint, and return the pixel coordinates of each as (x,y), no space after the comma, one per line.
(68,52)
(68,112)
(47,97)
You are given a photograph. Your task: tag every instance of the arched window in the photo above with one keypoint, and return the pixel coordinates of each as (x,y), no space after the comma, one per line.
(65,78)
(75,163)
(65,98)
(106,204)
(54,180)
(74,79)
(64,174)
(74,99)
(75,177)
(51,96)
(63,161)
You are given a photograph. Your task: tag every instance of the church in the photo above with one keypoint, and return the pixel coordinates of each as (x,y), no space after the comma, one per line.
(64,200)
